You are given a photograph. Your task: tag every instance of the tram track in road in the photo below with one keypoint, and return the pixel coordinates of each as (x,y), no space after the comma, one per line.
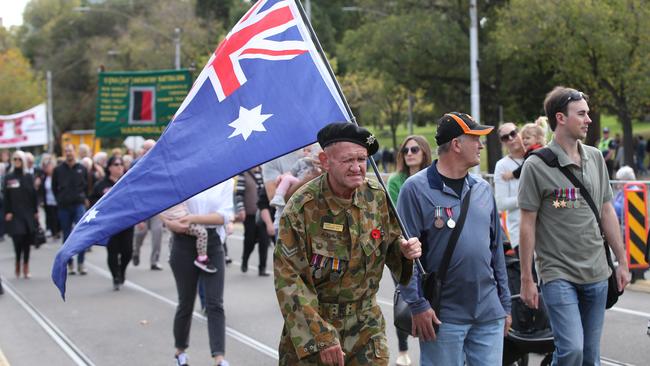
(231,332)
(69,348)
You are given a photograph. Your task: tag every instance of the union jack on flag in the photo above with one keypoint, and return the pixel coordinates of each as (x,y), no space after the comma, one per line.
(265,91)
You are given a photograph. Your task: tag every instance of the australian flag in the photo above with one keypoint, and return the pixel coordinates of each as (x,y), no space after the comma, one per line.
(264,92)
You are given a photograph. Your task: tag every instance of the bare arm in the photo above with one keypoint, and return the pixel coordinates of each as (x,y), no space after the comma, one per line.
(613,236)
(270,186)
(313,173)
(526,249)
(265,214)
(207,219)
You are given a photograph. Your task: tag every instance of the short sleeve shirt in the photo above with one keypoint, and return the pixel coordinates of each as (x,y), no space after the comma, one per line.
(568,243)
(275,168)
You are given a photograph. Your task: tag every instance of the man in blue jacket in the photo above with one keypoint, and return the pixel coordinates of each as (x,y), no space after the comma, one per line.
(475,300)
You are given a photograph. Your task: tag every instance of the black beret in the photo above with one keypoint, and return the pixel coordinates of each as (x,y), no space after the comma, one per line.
(350,132)
(454,124)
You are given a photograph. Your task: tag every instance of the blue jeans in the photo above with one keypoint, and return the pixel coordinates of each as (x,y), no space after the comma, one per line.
(577,314)
(68,217)
(478,344)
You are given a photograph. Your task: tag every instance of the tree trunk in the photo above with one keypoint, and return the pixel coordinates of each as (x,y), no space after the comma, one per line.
(628,139)
(593,135)
(393,132)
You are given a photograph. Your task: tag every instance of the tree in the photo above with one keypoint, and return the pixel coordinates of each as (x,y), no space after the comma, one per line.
(424,45)
(75,42)
(20,88)
(600,47)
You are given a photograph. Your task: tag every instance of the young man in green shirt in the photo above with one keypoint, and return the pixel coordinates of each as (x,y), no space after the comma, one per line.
(557,223)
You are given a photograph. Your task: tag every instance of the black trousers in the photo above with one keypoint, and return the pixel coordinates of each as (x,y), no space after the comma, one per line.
(255,233)
(186,274)
(21,246)
(120,251)
(52,219)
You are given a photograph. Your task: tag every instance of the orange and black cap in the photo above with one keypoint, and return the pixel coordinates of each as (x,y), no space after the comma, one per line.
(454,124)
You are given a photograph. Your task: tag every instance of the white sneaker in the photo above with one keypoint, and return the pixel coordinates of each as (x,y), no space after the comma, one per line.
(403,360)
(278,201)
(181,359)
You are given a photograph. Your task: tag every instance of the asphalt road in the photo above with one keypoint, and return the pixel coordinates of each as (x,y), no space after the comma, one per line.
(98,326)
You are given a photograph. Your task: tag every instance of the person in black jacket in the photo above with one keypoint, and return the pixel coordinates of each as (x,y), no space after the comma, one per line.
(120,245)
(21,210)
(69,183)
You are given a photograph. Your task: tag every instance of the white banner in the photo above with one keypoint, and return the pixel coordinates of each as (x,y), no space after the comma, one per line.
(28,128)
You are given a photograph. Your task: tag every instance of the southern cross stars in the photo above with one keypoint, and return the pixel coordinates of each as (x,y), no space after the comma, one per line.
(90,215)
(249,121)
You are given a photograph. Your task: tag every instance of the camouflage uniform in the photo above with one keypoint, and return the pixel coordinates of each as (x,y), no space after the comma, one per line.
(328,262)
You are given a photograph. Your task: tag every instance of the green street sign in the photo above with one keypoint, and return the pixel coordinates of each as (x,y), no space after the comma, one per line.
(139,103)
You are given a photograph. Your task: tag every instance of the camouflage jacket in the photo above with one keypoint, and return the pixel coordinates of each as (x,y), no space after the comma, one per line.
(332,252)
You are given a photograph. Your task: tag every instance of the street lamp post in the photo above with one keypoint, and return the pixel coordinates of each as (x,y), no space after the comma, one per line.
(473,62)
(177,48)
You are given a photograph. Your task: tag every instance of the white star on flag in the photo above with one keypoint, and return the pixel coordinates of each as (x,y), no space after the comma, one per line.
(249,120)
(90,215)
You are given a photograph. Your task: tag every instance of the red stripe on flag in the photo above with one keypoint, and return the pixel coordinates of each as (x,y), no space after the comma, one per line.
(262,51)
(145,113)
(222,63)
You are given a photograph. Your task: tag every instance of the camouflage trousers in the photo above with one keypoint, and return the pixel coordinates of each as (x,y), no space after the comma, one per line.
(362,337)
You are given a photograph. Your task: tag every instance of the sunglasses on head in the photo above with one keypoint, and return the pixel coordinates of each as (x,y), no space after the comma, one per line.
(572,97)
(510,135)
(412,149)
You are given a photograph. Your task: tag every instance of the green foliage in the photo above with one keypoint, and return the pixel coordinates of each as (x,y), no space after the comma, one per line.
(20,88)
(601,47)
(76,42)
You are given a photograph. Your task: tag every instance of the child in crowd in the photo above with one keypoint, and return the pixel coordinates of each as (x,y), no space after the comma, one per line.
(300,169)
(202,261)
(533,137)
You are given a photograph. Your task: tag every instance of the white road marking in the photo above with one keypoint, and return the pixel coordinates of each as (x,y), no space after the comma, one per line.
(241,337)
(75,354)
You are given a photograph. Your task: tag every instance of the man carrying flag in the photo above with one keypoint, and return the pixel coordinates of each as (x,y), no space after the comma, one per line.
(336,234)
(265,91)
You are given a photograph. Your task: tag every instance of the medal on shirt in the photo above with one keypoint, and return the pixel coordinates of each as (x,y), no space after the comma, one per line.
(317,262)
(576,203)
(336,270)
(438,223)
(450,223)
(572,196)
(562,200)
(567,197)
(556,202)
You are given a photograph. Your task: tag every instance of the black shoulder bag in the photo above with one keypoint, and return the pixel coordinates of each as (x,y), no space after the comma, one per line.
(431,283)
(551,160)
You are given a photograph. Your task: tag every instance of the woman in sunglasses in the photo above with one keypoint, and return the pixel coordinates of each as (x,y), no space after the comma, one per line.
(413,155)
(21,209)
(120,245)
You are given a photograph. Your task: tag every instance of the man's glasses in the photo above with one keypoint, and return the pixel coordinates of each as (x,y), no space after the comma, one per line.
(412,149)
(511,135)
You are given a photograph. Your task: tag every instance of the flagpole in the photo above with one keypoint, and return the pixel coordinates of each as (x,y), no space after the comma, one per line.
(319,48)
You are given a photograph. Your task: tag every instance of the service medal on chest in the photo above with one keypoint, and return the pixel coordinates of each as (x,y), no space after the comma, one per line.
(450,213)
